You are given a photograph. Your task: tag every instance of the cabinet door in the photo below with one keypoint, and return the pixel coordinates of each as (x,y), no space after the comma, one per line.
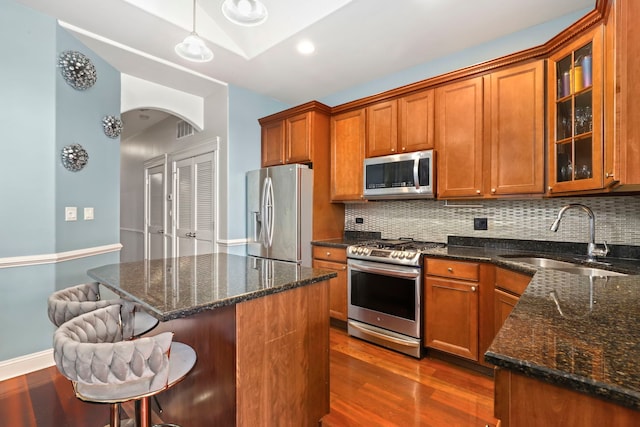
(416,129)
(347,155)
(451,318)
(503,303)
(298,138)
(273,143)
(337,288)
(382,126)
(517,130)
(575,91)
(459,138)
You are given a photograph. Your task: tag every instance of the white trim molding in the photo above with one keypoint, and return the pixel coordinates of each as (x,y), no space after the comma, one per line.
(25,364)
(23,261)
(232,242)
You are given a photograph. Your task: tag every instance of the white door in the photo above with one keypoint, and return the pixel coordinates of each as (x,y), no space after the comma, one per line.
(194,205)
(156,243)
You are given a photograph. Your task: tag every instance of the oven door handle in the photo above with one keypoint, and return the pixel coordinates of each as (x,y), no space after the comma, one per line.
(384,336)
(387,270)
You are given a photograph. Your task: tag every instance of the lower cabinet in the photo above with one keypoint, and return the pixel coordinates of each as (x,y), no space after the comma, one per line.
(451,315)
(330,258)
(508,286)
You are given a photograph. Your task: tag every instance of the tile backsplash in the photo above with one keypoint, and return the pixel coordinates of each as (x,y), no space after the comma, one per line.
(617,219)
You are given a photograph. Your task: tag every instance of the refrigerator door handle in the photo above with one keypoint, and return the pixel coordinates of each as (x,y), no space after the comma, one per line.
(269,210)
(264,215)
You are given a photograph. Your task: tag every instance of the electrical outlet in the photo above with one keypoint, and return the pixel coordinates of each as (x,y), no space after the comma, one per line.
(359,220)
(70,213)
(479,223)
(88,214)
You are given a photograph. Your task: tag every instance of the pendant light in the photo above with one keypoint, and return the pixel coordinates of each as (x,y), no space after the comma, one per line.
(193,48)
(248,13)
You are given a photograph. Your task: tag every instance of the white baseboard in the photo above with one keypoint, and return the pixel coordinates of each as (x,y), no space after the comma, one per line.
(25,364)
(23,261)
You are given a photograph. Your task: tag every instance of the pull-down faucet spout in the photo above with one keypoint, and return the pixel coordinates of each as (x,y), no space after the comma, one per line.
(592,251)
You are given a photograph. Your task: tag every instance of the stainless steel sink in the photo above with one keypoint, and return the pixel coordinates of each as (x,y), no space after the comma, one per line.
(566,266)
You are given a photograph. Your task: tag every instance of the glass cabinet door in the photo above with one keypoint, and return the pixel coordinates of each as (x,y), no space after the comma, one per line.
(575,115)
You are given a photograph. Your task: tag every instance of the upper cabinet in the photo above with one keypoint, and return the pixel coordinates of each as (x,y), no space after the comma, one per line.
(490,134)
(291,136)
(347,155)
(459,138)
(401,125)
(516,130)
(575,115)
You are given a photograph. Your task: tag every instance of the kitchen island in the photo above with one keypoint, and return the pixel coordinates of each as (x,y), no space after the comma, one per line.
(260,329)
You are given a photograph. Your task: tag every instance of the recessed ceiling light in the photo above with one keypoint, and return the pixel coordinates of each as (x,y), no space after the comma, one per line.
(305,47)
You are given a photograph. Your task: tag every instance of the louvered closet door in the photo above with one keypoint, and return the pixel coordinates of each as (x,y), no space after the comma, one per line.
(194,205)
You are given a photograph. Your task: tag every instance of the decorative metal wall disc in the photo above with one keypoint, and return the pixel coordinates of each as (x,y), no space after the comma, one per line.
(112,126)
(77,69)
(74,157)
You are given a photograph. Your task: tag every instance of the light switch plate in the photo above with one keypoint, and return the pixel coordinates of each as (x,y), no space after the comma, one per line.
(70,213)
(88,214)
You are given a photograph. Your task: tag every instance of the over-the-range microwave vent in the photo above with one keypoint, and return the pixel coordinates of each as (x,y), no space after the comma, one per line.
(184,129)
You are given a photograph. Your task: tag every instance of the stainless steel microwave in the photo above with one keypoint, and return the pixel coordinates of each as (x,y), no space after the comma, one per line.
(399,176)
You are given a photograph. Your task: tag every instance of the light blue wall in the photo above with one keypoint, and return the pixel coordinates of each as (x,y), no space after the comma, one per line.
(515,42)
(39,114)
(79,121)
(245,108)
(27,120)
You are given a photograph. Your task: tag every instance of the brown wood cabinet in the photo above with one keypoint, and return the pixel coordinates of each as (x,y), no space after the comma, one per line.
(416,121)
(508,287)
(522,401)
(622,91)
(382,129)
(291,136)
(516,127)
(331,258)
(459,138)
(347,155)
(451,318)
(301,135)
(575,115)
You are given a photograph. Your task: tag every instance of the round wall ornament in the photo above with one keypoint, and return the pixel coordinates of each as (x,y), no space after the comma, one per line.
(78,70)
(112,126)
(74,157)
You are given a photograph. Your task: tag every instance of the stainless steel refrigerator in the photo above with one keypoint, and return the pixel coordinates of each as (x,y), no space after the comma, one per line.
(280,213)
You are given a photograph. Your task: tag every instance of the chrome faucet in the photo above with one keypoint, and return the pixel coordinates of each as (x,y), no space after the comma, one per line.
(592,250)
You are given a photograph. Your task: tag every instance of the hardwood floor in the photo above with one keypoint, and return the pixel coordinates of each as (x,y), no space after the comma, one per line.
(370,386)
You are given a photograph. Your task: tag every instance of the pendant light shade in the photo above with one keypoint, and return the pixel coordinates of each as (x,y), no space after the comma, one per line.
(248,13)
(193,48)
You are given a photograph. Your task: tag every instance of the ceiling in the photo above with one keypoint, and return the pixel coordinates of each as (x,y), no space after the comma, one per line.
(356,40)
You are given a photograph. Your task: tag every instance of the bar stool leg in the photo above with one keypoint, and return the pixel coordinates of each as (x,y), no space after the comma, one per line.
(114,415)
(143,413)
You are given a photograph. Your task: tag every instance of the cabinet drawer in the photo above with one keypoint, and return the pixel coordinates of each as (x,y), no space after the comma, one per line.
(330,253)
(456,269)
(511,281)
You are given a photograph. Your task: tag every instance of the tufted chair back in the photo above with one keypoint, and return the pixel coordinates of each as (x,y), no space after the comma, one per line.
(68,303)
(89,351)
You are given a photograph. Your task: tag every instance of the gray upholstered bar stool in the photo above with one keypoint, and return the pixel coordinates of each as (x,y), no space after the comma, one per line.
(68,303)
(90,351)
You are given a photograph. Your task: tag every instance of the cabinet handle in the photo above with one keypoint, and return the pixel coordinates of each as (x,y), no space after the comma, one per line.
(344,267)
(393,150)
(608,175)
(473,289)
(550,188)
(477,191)
(493,190)
(450,270)
(328,253)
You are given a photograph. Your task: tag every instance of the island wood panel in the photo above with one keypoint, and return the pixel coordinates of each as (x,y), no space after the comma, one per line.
(522,401)
(207,395)
(283,358)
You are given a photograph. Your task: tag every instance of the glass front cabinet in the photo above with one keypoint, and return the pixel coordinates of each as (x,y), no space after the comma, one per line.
(575,91)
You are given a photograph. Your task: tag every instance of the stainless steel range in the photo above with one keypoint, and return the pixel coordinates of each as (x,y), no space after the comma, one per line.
(385,293)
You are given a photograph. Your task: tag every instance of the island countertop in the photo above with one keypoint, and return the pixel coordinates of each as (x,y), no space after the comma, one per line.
(173,288)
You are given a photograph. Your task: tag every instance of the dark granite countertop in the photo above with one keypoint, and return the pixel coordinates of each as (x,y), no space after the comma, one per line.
(571,330)
(179,287)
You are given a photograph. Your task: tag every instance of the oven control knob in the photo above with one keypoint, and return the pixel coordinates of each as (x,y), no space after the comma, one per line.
(360,251)
(366,251)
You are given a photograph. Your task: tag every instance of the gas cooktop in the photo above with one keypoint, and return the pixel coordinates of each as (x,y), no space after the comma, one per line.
(400,251)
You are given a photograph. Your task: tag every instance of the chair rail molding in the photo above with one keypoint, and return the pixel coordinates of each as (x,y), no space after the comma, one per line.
(28,260)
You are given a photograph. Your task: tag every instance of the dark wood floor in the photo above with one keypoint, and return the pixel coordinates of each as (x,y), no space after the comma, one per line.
(370,386)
